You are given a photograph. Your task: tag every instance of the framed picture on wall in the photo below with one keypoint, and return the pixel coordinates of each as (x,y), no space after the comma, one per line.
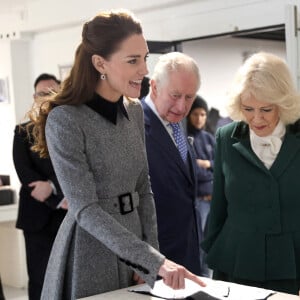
(4,93)
(64,71)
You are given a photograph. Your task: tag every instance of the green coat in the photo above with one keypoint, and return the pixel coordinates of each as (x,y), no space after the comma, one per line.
(254,224)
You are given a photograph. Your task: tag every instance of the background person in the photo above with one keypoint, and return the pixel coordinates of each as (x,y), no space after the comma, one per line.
(95,138)
(39,214)
(203,144)
(254,226)
(174,84)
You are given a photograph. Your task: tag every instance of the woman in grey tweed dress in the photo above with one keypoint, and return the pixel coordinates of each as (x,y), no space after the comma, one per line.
(95,138)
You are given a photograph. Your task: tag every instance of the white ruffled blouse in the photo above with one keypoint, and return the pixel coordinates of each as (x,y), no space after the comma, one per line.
(267,147)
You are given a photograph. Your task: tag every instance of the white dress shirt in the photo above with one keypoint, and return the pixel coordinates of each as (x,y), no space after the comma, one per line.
(166,124)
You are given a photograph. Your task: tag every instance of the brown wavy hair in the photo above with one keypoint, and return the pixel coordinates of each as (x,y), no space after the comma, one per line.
(102,36)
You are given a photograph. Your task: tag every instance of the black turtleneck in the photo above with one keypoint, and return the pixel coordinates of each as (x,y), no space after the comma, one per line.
(107,109)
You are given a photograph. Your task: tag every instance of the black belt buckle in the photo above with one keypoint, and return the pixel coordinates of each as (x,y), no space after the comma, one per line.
(126,203)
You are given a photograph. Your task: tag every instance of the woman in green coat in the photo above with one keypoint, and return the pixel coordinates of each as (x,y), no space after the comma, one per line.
(253,235)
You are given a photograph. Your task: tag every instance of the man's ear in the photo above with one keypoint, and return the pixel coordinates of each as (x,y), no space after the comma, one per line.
(98,62)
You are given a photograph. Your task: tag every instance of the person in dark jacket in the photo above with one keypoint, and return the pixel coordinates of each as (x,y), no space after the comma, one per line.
(173,88)
(41,202)
(203,144)
(254,226)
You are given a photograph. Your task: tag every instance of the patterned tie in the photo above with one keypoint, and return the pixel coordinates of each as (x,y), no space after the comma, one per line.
(180,140)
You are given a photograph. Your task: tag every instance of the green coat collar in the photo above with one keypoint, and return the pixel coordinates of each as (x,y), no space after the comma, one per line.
(289,148)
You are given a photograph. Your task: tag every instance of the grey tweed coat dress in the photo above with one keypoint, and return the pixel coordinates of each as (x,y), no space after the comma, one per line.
(98,248)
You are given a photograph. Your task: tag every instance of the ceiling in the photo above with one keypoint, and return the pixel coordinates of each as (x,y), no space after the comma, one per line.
(275,33)
(8,6)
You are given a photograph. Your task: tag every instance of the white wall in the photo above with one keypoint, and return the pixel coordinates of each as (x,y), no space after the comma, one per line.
(53,49)
(162,19)
(15,66)
(219,59)
(22,85)
(7,111)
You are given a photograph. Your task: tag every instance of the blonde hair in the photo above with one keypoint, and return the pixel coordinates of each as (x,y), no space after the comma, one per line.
(267,78)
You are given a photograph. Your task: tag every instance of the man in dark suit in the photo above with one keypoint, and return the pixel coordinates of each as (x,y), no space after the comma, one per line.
(174,84)
(42,206)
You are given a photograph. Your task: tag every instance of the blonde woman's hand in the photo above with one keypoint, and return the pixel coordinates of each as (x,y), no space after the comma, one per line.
(173,275)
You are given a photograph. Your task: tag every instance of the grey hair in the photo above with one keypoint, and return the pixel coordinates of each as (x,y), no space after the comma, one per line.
(266,77)
(174,61)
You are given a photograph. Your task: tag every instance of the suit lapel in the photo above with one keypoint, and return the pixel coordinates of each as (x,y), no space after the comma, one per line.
(290,148)
(158,133)
(243,146)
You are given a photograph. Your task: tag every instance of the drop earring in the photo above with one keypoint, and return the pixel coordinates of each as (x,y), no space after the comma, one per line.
(102,76)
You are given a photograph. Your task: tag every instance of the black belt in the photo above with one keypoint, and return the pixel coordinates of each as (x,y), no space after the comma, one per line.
(123,204)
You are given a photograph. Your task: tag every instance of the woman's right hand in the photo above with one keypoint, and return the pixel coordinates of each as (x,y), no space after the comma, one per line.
(173,275)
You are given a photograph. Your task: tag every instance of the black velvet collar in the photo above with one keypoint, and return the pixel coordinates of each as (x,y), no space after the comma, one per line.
(107,109)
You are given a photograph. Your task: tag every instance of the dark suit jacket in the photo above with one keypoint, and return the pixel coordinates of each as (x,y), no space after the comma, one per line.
(173,185)
(33,215)
(254,224)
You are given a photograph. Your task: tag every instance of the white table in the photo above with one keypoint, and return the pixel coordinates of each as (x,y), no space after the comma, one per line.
(124,294)
(121,295)
(8,212)
(12,249)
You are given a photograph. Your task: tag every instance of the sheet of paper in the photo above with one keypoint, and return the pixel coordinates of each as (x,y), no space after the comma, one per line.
(218,289)
(243,292)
